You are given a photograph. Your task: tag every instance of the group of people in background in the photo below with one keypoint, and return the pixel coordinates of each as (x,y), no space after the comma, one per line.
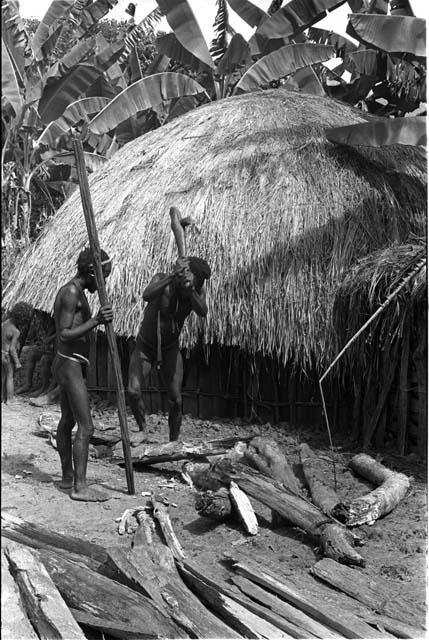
(63,351)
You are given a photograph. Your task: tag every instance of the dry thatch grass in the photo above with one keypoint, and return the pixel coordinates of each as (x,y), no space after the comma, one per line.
(282,215)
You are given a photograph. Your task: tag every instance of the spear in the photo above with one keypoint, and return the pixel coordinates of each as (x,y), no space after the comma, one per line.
(111,338)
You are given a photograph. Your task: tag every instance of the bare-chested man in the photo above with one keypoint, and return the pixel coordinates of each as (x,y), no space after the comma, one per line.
(171,298)
(18,321)
(73,324)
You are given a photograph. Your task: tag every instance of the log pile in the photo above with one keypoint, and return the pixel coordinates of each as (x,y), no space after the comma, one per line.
(59,587)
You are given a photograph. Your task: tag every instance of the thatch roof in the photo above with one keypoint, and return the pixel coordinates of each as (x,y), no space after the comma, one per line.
(282,215)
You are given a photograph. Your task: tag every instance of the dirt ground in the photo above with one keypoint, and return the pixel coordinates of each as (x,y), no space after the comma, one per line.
(395,547)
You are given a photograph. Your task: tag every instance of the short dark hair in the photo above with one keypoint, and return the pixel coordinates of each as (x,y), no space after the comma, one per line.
(21,314)
(85,260)
(199,268)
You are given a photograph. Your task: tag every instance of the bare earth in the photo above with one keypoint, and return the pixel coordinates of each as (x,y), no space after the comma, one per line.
(395,547)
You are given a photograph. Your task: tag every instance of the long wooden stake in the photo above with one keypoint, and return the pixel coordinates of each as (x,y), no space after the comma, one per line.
(111,338)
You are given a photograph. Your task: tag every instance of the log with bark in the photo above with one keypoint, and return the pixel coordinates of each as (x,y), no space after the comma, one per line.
(322,495)
(295,509)
(14,620)
(215,505)
(336,619)
(376,593)
(392,488)
(146,454)
(42,601)
(266,456)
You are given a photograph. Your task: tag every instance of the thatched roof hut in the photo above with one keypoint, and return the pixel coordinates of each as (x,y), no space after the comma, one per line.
(281,215)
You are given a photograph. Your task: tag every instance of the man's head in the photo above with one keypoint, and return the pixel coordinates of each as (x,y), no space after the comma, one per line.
(21,315)
(200,269)
(86,268)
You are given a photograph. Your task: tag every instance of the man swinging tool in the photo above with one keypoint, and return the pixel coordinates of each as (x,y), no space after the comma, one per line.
(171,298)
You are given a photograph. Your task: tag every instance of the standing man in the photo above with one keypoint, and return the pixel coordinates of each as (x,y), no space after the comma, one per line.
(170,298)
(73,324)
(18,321)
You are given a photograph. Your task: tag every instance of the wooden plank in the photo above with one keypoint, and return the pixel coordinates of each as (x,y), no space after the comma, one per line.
(115,629)
(396,627)
(376,593)
(307,625)
(44,605)
(92,593)
(239,617)
(14,620)
(343,622)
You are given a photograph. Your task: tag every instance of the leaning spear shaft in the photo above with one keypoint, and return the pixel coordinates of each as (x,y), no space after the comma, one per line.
(111,338)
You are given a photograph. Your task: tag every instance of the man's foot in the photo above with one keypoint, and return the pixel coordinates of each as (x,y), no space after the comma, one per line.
(24,389)
(66,483)
(41,401)
(38,392)
(89,494)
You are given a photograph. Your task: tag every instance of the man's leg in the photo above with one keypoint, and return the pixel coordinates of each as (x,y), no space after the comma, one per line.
(64,441)
(9,384)
(69,375)
(173,371)
(138,371)
(45,375)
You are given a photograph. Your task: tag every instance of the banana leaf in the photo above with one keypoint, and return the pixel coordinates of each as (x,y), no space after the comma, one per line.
(144,94)
(9,82)
(393,34)
(400,8)
(236,56)
(182,106)
(294,17)
(282,63)
(181,19)
(93,13)
(49,25)
(220,42)
(150,21)
(159,64)
(382,133)
(113,75)
(79,52)
(249,12)
(306,80)
(369,6)
(75,112)
(168,45)
(366,62)
(343,46)
(15,36)
(92,160)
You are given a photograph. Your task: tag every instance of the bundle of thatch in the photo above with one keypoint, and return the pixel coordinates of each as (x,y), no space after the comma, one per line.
(281,216)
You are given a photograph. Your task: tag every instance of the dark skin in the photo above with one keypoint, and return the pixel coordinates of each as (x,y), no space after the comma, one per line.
(73,324)
(175,295)
(10,361)
(39,352)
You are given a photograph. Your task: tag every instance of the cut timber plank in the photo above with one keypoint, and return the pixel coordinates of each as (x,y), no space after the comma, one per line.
(309,627)
(14,621)
(160,512)
(393,487)
(92,593)
(237,616)
(376,593)
(44,606)
(39,537)
(145,454)
(115,629)
(343,622)
(397,628)
(322,495)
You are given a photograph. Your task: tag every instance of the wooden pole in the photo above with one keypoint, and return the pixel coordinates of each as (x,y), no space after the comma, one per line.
(111,338)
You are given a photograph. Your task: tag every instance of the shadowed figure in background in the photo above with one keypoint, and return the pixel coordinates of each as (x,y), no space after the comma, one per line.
(41,350)
(171,298)
(18,321)
(74,323)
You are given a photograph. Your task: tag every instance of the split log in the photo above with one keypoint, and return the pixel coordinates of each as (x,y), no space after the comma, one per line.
(160,512)
(44,606)
(214,504)
(115,629)
(339,620)
(14,620)
(145,454)
(39,537)
(239,617)
(393,487)
(395,627)
(307,626)
(244,509)
(154,561)
(293,508)
(322,495)
(376,593)
(90,592)
(266,456)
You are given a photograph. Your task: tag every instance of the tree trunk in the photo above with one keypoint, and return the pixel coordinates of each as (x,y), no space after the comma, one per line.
(373,592)
(44,606)
(393,487)
(323,496)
